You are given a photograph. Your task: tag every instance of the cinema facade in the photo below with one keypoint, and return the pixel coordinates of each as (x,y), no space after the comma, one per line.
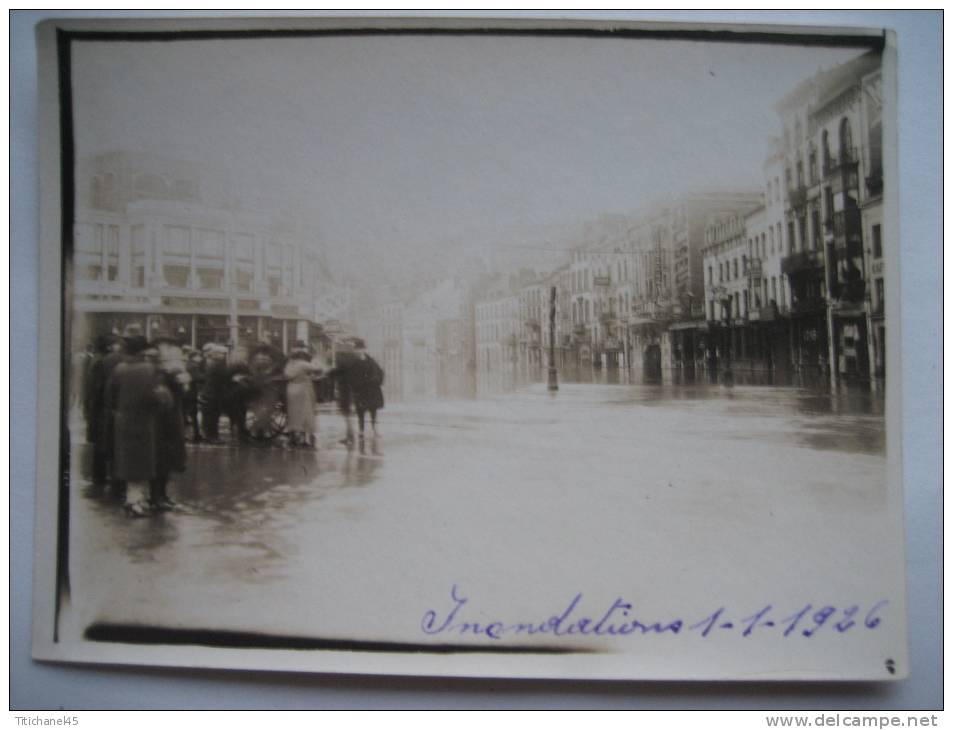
(159,246)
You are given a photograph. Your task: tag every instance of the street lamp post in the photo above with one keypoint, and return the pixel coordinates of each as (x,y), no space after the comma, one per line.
(553,385)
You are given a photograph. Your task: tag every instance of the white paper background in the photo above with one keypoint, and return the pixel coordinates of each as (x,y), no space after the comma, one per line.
(35,686)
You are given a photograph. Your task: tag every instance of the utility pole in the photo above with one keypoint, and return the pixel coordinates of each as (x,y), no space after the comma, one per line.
(553,384)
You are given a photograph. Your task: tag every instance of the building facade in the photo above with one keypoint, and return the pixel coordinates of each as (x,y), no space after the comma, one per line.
(154,247)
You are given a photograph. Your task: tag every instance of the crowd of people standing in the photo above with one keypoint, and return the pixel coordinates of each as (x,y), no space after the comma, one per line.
(144,399)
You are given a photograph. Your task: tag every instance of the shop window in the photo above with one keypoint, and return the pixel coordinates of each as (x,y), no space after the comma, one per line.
(88,259)
(273,262)
(139,256)
(243,267)
(288,269)
(176,256)
(112,253)
(210,259)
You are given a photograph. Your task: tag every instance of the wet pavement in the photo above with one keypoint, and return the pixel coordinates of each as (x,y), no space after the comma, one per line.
(714,484)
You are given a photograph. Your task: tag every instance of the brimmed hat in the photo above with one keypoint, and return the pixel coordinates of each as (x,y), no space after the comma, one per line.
(102,343)
(210,348)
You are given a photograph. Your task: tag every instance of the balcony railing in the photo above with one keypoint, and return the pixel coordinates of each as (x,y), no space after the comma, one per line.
(846,222)
(875,183)
(797,196)
(754,269)
(809,305)
(847,158)
(802,261)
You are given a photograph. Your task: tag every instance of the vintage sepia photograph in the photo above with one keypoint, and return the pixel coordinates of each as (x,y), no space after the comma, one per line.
(470,348)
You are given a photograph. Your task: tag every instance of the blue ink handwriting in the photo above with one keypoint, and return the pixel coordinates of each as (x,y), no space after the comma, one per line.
(619,619)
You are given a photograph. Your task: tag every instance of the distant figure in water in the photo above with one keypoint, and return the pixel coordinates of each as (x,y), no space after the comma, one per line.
(359,379)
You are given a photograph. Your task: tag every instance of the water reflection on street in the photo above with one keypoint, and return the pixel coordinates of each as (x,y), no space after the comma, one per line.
(448,475)
(241,502)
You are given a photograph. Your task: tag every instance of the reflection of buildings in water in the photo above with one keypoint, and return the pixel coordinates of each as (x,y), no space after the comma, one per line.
(156,245)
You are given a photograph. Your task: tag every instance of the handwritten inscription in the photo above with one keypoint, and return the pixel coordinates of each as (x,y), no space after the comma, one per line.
(620,619)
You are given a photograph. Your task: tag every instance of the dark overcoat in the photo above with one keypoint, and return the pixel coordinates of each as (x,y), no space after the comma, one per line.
(170,428)
(359,379)
(134,398)
(368,377)
(99,417)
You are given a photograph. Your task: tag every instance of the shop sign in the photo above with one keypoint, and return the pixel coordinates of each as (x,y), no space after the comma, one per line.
(194,303)
(249,305)
(284,310)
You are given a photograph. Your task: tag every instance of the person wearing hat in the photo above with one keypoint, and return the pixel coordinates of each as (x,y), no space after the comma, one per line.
(368,394)
(170,419)
(300,397)
(214,389)
(108,353)
(135,395)
(195,366)
(359,379)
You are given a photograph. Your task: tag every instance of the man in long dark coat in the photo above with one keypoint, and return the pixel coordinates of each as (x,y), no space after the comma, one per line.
(368,378)
(99,426)
(135,398)
(358,379)
(214,394)
(170,419)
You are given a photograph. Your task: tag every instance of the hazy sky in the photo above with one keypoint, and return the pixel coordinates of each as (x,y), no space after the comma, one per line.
(409,139)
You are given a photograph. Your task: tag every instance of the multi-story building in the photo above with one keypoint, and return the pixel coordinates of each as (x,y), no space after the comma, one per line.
(385,338)
(730,294)
(533,313)
(497,320)
(155,246)
(872,220)
(667,329)
(825,260)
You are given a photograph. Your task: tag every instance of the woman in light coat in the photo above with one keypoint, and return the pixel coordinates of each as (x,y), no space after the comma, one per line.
(299,398)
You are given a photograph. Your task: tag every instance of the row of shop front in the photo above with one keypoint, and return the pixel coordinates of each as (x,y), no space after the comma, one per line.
(197,322)
(810,344)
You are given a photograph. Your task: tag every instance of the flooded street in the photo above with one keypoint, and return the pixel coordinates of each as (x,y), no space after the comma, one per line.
(674,487)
